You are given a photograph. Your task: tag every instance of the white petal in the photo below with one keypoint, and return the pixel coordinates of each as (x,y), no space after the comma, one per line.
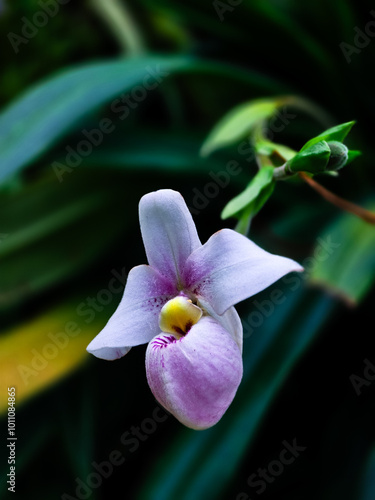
(168,231)
(230,268)
(136,320)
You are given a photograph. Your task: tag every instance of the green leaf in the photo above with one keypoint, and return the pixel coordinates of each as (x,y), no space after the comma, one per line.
(194,460)
(35,122)
(254,196)
(150,149)
(238,123)
(350,272)
(313,159)
(268,148)
(352,155)
(337,133)
(52,231)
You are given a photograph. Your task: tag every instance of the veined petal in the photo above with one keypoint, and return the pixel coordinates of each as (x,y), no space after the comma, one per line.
(195,377)
(168,231)
(230,268)
(136,319)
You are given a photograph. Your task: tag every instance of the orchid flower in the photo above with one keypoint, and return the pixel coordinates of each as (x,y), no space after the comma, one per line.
(181,304)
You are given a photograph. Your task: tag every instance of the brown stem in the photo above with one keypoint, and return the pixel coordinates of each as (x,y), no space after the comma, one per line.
(346,205)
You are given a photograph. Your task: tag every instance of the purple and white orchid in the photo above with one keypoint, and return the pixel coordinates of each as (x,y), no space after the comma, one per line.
(181,304)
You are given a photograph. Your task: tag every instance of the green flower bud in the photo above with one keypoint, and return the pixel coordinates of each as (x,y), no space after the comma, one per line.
(338,157)
(313,159)
(320,157)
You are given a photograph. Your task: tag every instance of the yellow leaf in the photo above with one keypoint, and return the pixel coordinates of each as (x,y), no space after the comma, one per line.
(40,352)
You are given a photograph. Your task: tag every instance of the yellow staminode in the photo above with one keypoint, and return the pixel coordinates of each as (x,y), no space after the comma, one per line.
(178,315)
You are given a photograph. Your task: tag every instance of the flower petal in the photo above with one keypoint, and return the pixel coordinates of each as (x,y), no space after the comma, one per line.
(230,268)
(136,320)
(230,320)
(195,377)
(168,231)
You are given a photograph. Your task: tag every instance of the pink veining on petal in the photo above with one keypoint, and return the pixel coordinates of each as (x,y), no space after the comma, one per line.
(196,275)
(154,304)
(136,320)
(163,341)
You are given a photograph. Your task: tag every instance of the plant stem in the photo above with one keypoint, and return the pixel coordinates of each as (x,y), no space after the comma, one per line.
(346,205)
(122,24)
(281,173)
(243,224)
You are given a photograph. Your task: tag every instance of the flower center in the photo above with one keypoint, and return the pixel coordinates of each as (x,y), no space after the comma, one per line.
(178,315)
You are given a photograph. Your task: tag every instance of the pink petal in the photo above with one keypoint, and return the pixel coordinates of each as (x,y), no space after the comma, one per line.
(136,320)
(168,231)
(230,268)
(230,321)
(196,377)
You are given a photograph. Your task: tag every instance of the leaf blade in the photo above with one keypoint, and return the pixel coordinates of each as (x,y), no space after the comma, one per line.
(261,182)
(337,133)
(238,122)
(352,241)
(20,345)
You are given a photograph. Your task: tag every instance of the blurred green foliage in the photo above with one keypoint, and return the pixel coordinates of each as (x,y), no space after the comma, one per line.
(82,138)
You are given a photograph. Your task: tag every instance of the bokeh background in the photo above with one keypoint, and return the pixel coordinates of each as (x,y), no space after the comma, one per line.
(69,233)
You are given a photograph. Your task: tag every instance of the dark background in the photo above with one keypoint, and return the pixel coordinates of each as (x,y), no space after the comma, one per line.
(298,363)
